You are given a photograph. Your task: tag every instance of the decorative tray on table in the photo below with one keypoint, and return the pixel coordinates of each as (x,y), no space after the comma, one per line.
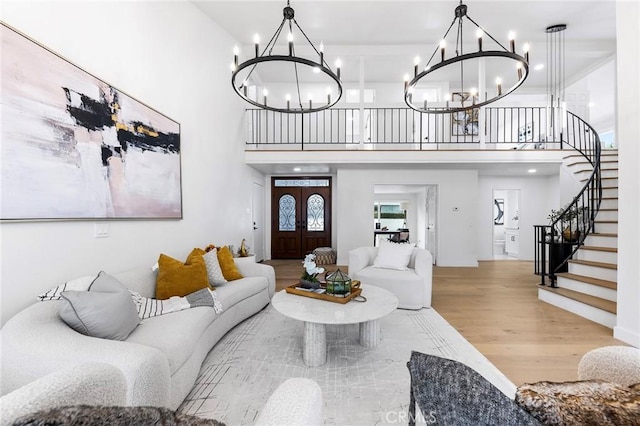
(296,289)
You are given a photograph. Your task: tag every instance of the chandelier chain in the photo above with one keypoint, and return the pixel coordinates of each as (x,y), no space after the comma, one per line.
(437,47)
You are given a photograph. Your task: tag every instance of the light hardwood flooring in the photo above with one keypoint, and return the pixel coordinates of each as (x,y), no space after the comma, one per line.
(496,308)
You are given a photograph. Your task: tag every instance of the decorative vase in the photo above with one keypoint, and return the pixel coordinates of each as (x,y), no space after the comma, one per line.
(571,236)
(309,284)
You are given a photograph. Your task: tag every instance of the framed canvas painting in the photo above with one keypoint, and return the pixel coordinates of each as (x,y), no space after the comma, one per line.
(75,147)
(464,123)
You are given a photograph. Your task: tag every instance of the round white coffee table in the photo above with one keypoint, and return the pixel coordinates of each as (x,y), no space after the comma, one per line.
(317,313)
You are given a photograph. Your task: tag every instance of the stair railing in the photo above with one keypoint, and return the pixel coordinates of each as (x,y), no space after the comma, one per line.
(575,221)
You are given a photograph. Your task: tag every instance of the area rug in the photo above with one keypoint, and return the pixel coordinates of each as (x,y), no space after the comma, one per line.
(359,386)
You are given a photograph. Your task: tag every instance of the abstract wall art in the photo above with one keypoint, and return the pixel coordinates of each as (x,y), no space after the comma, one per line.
(74,147)
(464,123)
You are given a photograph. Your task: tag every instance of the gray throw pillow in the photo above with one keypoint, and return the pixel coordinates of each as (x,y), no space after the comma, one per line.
(105,283)
(106,311)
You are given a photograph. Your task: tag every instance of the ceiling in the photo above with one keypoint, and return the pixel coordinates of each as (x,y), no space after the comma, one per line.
(385,36)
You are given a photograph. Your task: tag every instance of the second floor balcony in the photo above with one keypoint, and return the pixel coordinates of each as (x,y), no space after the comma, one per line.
(504,128)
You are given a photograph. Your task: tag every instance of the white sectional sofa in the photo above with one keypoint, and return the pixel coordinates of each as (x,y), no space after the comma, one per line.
(160,359)
(412,286)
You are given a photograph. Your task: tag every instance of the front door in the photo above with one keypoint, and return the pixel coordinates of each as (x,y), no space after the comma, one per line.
(301,216)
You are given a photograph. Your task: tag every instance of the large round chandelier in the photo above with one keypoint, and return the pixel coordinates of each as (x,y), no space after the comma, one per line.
(301,85)
(485,75)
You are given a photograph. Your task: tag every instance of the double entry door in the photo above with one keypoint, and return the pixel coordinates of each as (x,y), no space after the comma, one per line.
(300,216)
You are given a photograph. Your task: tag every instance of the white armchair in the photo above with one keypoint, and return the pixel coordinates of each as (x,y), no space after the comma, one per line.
(90,384)
(412,287)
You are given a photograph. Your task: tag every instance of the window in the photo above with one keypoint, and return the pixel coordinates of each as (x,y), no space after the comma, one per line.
(287,213)
(315,213)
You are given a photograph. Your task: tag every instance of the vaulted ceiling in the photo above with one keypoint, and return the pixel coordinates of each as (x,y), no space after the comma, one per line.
(385,36)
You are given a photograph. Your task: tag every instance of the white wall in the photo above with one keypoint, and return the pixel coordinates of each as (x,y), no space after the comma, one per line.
(538,195)
(457,234)
(628,137)
(173,58)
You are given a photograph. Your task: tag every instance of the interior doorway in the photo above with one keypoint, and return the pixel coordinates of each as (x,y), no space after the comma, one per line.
(506,228)
(416,208)
(257,218)
(300,216)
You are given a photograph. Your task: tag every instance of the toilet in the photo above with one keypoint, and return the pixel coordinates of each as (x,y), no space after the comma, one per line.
(498,247)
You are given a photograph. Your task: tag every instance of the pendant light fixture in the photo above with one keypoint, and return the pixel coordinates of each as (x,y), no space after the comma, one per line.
(484,75)
(293,71)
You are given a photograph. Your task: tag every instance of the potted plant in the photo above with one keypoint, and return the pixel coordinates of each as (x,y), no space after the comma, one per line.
(309,278)
(571,224)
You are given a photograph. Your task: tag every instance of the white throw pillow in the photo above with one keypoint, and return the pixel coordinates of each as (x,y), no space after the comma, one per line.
(214,272)
(393,256)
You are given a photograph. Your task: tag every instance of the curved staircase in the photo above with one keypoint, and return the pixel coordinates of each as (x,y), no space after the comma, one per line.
(589,288)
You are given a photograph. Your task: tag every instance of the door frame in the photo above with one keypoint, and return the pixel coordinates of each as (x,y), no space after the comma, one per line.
(326,237)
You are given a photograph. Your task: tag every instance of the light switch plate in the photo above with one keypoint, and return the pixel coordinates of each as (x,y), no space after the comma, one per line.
(102,230)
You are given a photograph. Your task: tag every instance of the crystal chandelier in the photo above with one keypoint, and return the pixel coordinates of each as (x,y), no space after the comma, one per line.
(322,86)
(485,75)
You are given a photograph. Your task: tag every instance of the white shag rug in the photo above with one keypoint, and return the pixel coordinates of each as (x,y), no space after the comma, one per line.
(359,386)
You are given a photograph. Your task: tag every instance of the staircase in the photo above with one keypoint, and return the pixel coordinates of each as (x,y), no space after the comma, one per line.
(589,288)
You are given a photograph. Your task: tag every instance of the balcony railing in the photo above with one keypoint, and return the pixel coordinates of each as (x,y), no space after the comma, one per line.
(404,128)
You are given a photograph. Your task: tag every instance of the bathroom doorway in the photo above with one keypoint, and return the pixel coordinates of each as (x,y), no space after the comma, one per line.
(506,219)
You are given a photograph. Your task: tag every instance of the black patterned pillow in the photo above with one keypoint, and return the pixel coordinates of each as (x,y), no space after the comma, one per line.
(587,402)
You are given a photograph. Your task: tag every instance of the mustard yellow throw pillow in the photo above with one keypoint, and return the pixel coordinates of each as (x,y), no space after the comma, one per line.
(228,266)
(179,279)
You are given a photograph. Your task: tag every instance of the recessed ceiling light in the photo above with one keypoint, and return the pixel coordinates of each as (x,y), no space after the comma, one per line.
(531,170)
(538,67)
(297,169)
(592,104)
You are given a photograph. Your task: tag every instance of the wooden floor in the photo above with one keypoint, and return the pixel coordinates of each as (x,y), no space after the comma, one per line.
(496,308)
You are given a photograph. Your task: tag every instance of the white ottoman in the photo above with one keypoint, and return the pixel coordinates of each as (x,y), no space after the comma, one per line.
(617,364)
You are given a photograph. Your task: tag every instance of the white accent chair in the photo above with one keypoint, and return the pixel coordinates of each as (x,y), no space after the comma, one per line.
(89,384)
(296,401)
(412,287)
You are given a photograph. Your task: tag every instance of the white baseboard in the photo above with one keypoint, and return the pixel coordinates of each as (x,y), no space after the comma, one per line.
(585,311)
(627,336)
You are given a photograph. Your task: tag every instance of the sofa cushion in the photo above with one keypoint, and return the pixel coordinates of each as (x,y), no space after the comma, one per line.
(228,265)
(179,279)
(588,402)
(406,285)
(175,334)
(229,295)
(106,311)
(393,256)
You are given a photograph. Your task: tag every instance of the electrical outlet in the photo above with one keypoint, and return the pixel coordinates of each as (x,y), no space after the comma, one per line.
(102,230)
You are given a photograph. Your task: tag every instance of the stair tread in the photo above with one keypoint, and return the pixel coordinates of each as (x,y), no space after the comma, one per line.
(587,162)
(597,248)
(596,302)
(604,153)
(605,221)
(604,234)
(602,178)
(590,170)
(589,280)
(596,264)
